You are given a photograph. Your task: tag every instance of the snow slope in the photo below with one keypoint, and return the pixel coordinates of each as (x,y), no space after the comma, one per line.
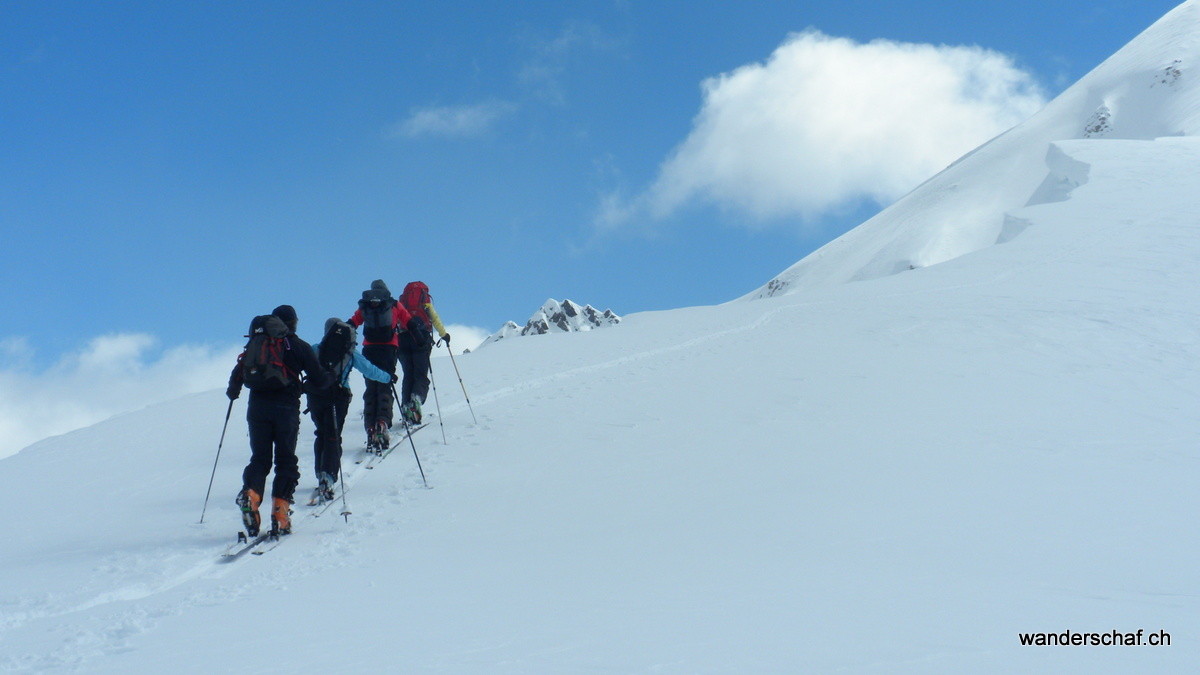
(898,475)
(1150,88)
(892,476)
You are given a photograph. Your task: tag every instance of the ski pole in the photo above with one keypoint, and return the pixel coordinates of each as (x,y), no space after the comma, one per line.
(341,477)
(408,430)
(438,402)
(460,383)
(214,471)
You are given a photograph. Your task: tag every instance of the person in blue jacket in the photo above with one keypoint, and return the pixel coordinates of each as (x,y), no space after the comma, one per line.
(338,354)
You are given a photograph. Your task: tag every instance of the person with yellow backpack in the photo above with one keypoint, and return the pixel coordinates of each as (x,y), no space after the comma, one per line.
(414,348)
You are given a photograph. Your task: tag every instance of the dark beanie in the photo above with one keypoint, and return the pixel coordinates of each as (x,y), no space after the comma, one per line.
(378,285)
(287,313)
(333,321)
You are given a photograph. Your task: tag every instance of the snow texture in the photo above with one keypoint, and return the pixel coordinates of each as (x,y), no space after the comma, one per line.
(892,476)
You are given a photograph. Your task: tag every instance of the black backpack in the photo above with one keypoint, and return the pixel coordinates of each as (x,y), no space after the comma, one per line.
(263,367)
(334,351)
(376,306)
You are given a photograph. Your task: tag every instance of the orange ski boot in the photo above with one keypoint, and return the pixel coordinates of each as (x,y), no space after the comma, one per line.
(281,516)
(249,501)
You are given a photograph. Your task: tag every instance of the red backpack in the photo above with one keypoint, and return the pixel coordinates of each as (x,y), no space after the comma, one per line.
(414,299)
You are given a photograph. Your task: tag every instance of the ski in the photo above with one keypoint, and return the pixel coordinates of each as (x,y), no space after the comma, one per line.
(379,458)
(244,545)
(367,453)
(275,539)
(321,511)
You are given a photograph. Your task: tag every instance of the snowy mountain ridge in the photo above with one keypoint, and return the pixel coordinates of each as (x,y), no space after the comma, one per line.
(1150,88)
(902,475)
(557,317)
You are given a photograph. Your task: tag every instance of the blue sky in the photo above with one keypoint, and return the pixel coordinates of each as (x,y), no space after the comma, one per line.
(170,169)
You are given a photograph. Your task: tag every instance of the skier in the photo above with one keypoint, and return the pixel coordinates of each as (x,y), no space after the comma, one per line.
(381,317)
(415,346)
(328,405)
(270,367)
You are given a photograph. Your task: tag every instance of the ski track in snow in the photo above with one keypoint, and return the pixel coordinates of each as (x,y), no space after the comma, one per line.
(175,568)
(970,329)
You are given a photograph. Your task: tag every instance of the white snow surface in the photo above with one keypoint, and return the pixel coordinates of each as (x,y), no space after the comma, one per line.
(892,476)
(1149,88)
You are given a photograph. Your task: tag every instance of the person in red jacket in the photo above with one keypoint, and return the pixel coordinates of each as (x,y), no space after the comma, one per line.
(381,319)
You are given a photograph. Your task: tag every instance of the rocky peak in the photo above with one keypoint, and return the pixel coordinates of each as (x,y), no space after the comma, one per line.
(557,317)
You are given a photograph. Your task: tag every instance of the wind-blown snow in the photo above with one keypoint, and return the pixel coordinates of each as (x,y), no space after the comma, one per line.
(898,475)
(1150,88)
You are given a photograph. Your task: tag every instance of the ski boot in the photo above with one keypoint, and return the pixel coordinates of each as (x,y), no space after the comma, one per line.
(411,410)
(249,501)
(325,487)
(281,516)
(381,435)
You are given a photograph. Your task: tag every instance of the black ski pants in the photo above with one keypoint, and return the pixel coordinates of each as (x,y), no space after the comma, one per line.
(274,427)
(414,360)
(328,409)
(377,400)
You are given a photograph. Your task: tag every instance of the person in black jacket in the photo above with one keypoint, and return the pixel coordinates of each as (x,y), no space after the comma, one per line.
(274,419)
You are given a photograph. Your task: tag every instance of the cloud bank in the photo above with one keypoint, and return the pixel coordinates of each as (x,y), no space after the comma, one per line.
(464,337)
(114,374)
(827,122)
(110,375)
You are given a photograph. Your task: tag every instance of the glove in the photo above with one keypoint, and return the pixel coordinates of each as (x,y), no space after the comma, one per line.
(446,337)
(233,393)
(395,378)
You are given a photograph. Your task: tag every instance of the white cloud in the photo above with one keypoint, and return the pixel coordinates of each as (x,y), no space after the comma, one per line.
(15,351)
(827,122)
(454,121)
(110,375)
(464,337)
(113,374)
(544,73)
